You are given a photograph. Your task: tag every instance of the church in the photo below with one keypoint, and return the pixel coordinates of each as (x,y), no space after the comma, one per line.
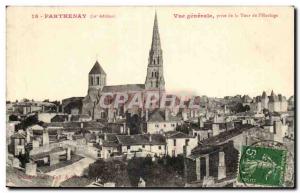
(97,84)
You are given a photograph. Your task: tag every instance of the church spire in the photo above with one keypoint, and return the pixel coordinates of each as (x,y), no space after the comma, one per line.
(155,77)
(155,46)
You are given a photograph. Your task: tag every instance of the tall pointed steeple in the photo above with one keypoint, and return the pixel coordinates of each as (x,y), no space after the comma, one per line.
(155,46)
(155,78)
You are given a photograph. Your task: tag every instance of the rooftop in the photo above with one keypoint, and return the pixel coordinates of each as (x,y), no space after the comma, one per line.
(142,139)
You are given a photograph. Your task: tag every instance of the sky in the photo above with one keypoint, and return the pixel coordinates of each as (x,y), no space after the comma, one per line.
(50,58)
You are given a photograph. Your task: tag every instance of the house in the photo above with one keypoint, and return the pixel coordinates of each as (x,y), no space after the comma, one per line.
(217,157)
(108,145)
(177,140)
(17,145)
(142,145)
(52,157)
(160,121)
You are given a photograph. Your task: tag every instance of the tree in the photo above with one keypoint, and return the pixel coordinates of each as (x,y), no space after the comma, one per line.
(13,117)
(109,171)
(24,158)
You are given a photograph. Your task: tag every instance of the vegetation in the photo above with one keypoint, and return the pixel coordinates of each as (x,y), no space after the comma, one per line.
(184,128)
(13,117)
(163,172)
(109,171)
(29,121)
(24,158)
(239,108)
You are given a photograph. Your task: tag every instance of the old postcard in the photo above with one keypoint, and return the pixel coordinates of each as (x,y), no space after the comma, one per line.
(147,97)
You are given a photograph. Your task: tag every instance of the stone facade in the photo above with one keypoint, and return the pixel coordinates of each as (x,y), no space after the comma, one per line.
(97,83)
(274,103)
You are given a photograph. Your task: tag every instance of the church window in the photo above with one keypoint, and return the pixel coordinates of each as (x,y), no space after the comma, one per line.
(98,80)
(152,74)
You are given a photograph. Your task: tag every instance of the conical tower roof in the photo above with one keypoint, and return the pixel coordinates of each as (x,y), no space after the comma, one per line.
(97,69)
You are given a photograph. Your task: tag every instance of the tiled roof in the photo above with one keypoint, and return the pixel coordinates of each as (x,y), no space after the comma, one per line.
(18,136)
(43,154)
(141,139)
(59,118)
(97,69)
(124,88)
(222,137)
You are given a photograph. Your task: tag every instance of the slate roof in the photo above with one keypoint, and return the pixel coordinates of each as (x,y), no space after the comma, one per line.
(111,140)
(176,135)
(97,69)
(141,139)
(158,115)
(222,137)
(76,125)
(59,118)
(124,88)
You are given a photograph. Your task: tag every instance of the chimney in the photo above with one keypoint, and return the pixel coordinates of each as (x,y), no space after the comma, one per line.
(27,136)
(128,131)
(277,126)
(186,150)
(81,125)
(105,136)
(167,114)
(201,122)
(100,141)
(215,129)
(45,137)
(124,128)
(150,138)
(221,166)
(146,115)
(68,153)
(215,118)
(69,117)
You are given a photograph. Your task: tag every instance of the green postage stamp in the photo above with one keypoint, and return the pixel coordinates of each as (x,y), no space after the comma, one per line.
(262,166)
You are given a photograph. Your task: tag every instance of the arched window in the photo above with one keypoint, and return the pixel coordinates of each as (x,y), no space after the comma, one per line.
(152,74)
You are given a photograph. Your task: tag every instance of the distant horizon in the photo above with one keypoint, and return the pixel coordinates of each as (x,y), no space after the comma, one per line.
(221,97)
